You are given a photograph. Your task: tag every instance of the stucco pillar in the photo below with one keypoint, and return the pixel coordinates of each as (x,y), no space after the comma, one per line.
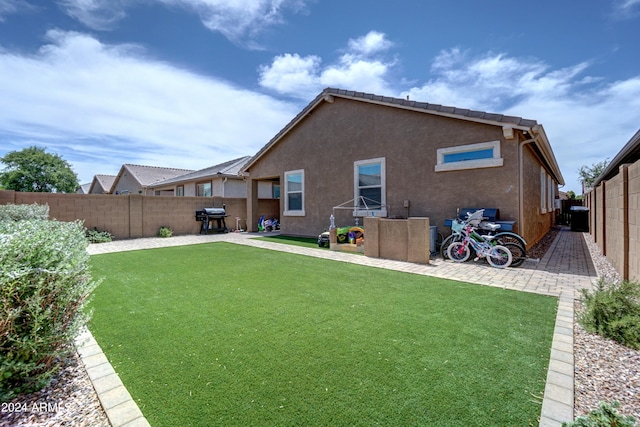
(252,205)
(418,240)
(372,236)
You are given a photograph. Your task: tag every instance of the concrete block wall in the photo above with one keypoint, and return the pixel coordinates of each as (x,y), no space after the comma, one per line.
(634,220)
(136,215)
(615,219)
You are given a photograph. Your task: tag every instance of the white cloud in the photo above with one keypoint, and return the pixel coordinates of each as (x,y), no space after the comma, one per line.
(8,7)
(627,8)
(238,20)
(369,44)
(292,74)
(107,104)
(585,118)
(95,14)
(362,68)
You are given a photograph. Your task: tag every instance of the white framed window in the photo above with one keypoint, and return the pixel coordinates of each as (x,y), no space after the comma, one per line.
(369,187)
(203,189)
(470,156)
(543,190)
(294,193)
(550,193)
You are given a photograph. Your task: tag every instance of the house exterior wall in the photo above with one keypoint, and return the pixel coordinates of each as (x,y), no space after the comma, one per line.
(537,222)
(127,184)
(133,216)
(232,188)
(326,144)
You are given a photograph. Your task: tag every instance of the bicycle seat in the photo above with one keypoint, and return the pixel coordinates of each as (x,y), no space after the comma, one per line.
(489,226)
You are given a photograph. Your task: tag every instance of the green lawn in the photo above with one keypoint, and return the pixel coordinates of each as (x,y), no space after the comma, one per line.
(308,242)
(223,334)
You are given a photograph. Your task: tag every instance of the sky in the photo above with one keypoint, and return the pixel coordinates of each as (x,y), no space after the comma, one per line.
(193,83)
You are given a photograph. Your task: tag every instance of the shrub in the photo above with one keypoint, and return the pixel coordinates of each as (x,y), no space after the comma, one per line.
(96,236)
(613,311)
(605,416)
(13,212)
(44,285)
(165,232)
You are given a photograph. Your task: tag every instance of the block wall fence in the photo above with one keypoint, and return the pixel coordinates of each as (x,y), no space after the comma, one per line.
(134,215)
(614,219)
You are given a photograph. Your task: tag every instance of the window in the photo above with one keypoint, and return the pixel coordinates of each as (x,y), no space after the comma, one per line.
(543,190)
(550,194)
(470,156)
(294,193)
(180,190)
(369,179)
(203,189)
(276,191)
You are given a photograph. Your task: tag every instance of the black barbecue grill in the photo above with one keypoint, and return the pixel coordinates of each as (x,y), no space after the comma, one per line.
(210,217)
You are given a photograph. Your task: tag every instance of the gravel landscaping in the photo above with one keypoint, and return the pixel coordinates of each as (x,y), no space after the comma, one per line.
(604,370)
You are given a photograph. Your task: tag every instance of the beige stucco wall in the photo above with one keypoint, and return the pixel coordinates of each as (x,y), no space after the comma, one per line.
(326,143)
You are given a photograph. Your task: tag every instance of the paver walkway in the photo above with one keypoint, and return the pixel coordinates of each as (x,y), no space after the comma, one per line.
(565,268)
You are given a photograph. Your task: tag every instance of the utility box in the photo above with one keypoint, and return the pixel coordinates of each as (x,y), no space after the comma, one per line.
(579,218)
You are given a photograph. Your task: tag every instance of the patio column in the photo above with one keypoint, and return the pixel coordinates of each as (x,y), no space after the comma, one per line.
(252,205)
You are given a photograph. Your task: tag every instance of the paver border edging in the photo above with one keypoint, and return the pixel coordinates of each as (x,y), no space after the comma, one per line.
(116,401)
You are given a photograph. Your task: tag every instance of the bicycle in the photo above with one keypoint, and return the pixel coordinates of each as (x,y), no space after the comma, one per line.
(476,219)
(497,256)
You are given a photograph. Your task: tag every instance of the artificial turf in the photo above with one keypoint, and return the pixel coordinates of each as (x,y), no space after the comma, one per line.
(223,334)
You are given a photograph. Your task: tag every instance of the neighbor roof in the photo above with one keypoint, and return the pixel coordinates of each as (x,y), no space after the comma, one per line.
(148,175)
(104,181)
(630,153)
(514,122)
(230,168)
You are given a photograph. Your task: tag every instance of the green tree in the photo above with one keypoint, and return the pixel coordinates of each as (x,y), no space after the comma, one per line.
(588,174)
(571,195)
(35,170)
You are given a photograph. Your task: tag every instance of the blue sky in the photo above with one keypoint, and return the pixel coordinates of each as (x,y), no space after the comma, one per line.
(192,83)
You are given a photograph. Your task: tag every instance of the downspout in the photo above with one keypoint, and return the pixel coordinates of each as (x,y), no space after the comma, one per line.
(521,178)
(224,181)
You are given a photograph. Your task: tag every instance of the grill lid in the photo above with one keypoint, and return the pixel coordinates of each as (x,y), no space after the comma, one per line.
(214,211)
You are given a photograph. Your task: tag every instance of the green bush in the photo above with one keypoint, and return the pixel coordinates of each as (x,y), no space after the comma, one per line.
(165,232)
(44,285)
(613,311)
(97,236)
(605,416)
(13,212)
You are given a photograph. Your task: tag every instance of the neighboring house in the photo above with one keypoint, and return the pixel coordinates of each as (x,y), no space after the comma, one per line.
(614,210)
(101,184)
(405,158)
(84,188)
(221,180)
(138,179)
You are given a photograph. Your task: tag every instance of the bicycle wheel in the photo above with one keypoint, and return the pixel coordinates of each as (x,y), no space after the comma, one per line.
(458,252)
(518,254)
(508,237)
(499,257)
(446,243)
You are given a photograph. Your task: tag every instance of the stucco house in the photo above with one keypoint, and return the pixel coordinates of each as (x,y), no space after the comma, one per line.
(395,157)
(101,184)
(138,179)
(222,180)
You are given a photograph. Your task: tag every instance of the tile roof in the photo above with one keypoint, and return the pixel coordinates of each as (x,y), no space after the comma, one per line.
(147,175)
(462,113)
(630,153)
(229,168)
